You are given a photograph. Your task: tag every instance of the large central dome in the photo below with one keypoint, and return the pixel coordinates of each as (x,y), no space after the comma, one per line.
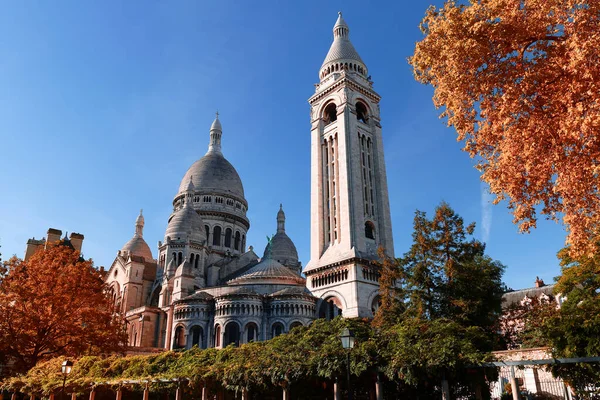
(213,173)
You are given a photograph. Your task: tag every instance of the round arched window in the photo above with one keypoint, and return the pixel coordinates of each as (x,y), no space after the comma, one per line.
(361,112)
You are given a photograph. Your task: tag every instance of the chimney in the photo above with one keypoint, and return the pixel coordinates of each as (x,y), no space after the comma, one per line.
(53,236)
(539,282)
(76,241)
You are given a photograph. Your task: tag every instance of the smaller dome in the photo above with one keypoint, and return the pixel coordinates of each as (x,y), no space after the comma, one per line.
(137,246)
(184,269)
(283,249)
(186,224)
(268,271)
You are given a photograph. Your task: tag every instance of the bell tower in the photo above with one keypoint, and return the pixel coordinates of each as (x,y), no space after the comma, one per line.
(350,211)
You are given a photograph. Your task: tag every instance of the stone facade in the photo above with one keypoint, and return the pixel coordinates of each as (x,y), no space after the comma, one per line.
(205,288)
(350,211)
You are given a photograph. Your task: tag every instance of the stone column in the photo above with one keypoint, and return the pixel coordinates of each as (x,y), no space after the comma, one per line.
(513,383)
(378,388)
(337,392)
(179,392)
(445,390)
(146,394)
(286,393)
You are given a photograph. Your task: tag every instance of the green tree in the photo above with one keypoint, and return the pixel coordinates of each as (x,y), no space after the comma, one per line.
(449,293)
(447,274)
(574,331)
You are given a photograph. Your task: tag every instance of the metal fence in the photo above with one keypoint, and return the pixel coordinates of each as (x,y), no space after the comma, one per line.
(534,381)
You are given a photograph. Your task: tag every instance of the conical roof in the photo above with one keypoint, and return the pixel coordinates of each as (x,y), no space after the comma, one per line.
(341,48)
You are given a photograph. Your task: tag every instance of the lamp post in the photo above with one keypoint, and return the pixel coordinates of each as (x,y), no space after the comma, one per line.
(347,339)
(66,370)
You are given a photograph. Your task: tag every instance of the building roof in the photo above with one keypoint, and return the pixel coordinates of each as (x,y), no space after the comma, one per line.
(516,296)
(341,48)
(268,271)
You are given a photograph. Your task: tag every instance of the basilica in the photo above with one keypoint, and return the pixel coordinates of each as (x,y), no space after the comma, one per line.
(203,286)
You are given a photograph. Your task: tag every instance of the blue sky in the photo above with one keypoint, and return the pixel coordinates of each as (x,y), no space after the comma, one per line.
(104,106)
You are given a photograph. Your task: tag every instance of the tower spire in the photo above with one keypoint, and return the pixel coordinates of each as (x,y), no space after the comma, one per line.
(139,225)
(215,135)
(280,219)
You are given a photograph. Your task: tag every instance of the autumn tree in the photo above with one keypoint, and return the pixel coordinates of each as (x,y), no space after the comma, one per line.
(519,81)
(54,304)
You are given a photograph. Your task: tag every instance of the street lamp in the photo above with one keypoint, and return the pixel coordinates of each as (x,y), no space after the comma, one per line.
(66,368)
(347,338)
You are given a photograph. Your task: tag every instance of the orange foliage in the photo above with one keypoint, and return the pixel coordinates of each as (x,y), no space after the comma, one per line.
(520,83)
(54,304)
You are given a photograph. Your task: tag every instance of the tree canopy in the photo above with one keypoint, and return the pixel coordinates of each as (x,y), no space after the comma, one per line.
(54,304)
(444,296)
(519,81)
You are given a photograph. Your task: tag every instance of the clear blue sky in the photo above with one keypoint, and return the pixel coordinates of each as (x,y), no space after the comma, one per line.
(104,105)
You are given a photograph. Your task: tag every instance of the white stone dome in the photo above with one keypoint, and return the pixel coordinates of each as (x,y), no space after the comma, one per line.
(213,174)
(137,246)
(268,271)
(186,224)
(283,249)
(281,246)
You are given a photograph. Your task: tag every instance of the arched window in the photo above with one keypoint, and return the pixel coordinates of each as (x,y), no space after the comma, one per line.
(375,304)
(228,233)
(217,236)
(179,342)
(196,336)
(295,324)
(243,243)
(330,114)
(369,230)
(217,340)
(179,258)
(232,334)
(251,332)
(207,230)
(276,329)
(236,241)
(330,308)
(197,261)
(361,112)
